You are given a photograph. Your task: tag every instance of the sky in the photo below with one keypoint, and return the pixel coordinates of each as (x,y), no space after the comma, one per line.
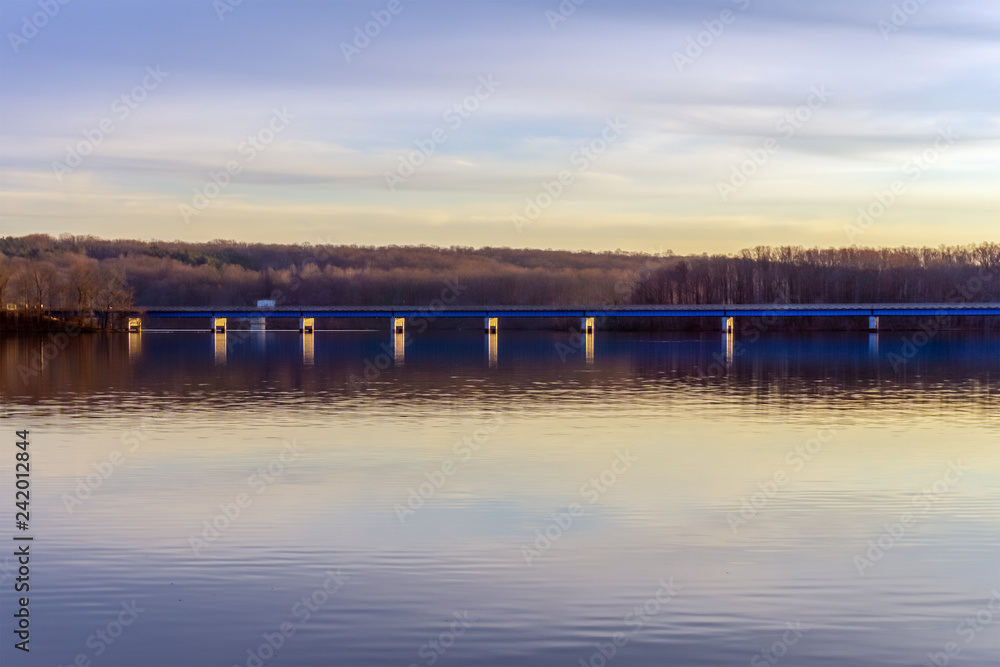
(692,126)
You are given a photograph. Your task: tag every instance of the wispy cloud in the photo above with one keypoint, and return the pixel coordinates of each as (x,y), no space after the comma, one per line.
(353,120)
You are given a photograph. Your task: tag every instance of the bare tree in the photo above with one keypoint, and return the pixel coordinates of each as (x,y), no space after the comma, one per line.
(7,271)
(114,292)
(41,277)
(85,275)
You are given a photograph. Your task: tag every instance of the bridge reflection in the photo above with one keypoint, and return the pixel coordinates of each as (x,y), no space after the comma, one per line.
(326,362)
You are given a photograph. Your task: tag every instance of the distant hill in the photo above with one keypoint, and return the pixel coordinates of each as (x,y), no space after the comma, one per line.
(87,272)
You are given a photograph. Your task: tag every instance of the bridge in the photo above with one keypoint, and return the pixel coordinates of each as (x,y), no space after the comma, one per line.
(398,315)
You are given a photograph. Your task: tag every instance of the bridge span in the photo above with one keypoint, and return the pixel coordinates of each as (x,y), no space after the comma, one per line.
(398,315)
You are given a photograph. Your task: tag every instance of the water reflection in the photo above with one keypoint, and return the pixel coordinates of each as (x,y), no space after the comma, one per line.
(492,349)
(309,349)
(135,346)
(220,341)
(399,348)
(753,473)
(440,366)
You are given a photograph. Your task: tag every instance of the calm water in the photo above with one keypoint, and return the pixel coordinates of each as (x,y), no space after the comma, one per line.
(658,499)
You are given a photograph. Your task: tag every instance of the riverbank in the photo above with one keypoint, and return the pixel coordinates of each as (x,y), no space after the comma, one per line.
(35,322)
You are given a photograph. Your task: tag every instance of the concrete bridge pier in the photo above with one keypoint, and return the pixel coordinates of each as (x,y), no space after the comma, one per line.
(219,325)
(258,324)
(398,325)
(134,325)
(873,324)
(727,325)
(587,325)
(307,325)
(491,326)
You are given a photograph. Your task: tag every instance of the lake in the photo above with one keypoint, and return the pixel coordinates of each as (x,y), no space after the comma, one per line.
(636,499)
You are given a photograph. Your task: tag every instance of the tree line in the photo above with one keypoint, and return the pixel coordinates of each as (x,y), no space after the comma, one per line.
(87,273)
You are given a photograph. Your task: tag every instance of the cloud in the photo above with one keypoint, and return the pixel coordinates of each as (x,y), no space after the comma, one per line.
(354,120)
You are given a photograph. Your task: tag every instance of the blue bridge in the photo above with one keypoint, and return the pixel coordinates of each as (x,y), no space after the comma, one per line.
(398,315)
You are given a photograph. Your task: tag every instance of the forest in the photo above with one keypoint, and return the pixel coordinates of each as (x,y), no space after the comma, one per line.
(85,273)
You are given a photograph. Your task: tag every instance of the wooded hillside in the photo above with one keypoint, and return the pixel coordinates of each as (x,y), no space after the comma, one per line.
(90,273)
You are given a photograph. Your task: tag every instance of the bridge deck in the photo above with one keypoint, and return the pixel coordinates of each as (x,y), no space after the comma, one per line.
(716,310)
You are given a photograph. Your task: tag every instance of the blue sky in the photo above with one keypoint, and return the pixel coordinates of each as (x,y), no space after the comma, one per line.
(695,126)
